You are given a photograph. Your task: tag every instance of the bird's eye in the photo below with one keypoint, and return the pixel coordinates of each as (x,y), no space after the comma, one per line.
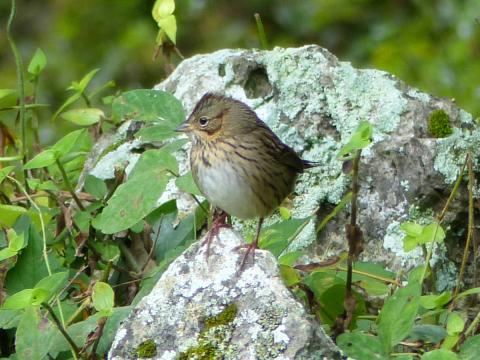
(203,121)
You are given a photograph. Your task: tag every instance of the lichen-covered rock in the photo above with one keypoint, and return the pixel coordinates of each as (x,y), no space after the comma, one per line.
(206,309)
(313,102)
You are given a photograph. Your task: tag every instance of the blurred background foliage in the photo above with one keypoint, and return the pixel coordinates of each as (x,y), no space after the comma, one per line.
(433,45)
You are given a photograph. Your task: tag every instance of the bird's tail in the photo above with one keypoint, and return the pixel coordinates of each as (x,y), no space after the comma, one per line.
(307,164)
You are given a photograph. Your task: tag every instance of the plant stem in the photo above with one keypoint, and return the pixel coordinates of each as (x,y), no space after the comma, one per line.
(98,335)
(261,32)
(21,86)
(69,186)
(60,327)
(471,180)
(86,99)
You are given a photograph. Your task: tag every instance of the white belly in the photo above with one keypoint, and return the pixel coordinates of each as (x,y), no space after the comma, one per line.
(225,189)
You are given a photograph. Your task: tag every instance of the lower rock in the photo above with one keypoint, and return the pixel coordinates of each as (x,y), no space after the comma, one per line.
(205,309)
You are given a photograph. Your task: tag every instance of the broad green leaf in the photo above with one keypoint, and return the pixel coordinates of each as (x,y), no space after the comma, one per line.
(5,171)
(7,92)
(7,253)
(162,8)
(67,143)
(432,232)
(319,282)
(469,349)
(455,323)
(16,242)
(186,184)
(360,139)
(275,238)
(109,251)
(439,354)
(361,346)
(159,132)
(289,275)
(30,266)
(417,234)
(83,117)
(159,159)
(26,298)
(289,258)
(9,318)
(103,298)
(428,333)
(44,159)
(397,316)
(435,301)
(169,25)
(132,201)
(34,335)
(66,104)
(411,228)
(450,341)
(38,62)
(95,187)
(53,283)
(148,105)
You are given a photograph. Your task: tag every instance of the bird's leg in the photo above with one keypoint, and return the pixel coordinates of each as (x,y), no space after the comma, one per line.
(252,246)
(219,221)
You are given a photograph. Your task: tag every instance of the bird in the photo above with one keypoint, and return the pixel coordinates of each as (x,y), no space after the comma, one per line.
(238,163)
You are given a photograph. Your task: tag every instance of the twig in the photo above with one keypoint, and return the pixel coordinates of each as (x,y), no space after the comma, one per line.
(69,186)
(98,334)
(471,180)
(60,327)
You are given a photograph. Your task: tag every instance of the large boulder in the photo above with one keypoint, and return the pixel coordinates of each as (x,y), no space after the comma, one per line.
(206,309)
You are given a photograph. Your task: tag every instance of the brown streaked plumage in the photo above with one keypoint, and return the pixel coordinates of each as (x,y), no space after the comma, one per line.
(238,163)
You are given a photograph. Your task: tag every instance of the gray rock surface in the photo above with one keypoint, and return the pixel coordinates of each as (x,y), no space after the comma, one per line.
(313,102)
(207,307)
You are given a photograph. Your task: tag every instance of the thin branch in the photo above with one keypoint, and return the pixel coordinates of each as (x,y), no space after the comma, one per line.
(60,327)
(69,186)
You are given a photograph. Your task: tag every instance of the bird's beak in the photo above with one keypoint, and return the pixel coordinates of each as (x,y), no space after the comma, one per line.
(184,127)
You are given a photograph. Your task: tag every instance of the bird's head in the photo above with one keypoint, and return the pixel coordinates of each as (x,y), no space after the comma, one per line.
(217,116)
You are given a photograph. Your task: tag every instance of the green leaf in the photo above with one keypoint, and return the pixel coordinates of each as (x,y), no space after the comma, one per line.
(275,238)
(66,104)
(141,201)
(38,62)
(109,251)
(5,171)
(471,291)
(169,25)
(159,132)
(4,93)
(427,333)
(95,187)
(289,258)
(289,275)
(162,8)
(83,117)
(450,341)
(397,316)
(9,319)
(103,298)
(361,346)
(44,159)
(16,242)
(81,86)
(68,142)
(186,184)
(469,349)
(285,213)
(155,158)
(411,228)
(455,323)
(53,283)
(439,354)
(148,105)
(360,139)
(417,234)
(26,298)
(435,301)
(7,253)
(34,336)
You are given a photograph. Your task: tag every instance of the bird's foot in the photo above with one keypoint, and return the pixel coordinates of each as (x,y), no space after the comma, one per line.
(219,222)
(249,249)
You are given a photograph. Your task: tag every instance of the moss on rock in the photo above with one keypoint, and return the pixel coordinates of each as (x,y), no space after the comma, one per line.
(439,124)
(147,349)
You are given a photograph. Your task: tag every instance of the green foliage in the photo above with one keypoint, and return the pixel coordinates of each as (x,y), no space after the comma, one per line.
(162,12)
(439,124)
(360,139)
(147,349)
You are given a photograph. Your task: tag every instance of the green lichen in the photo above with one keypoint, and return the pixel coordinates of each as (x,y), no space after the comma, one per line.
(214,337)
(439,124)
(147,349)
